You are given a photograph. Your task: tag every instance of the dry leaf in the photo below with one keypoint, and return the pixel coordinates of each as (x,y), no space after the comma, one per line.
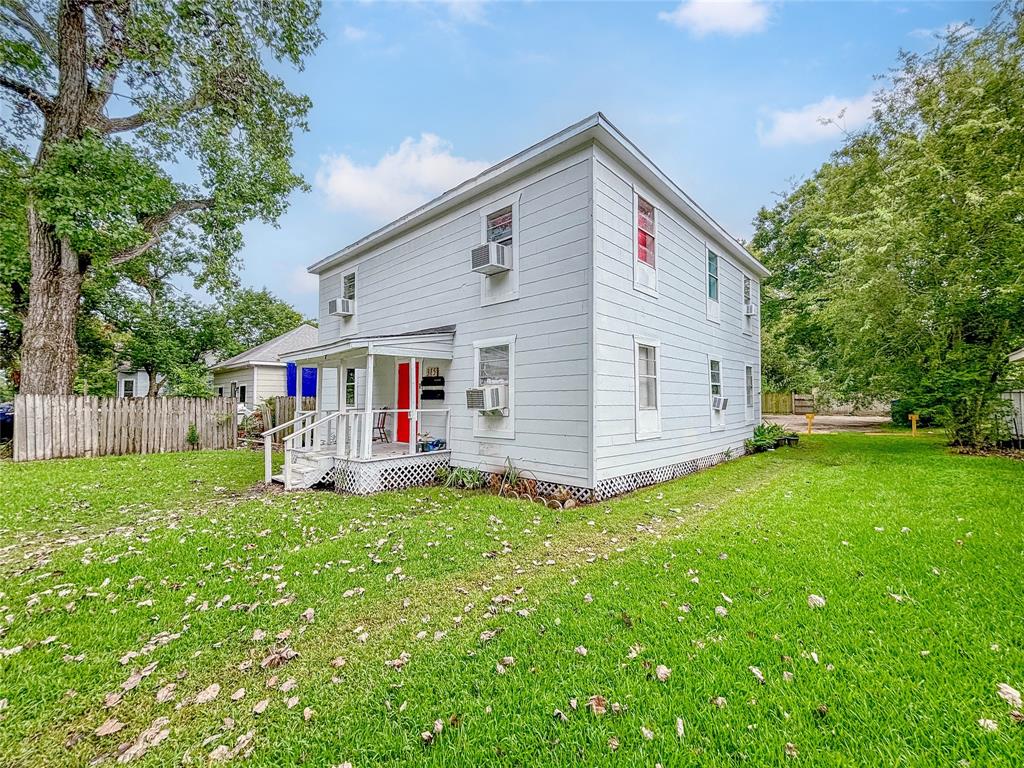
(238,695)
(988,725)
(208,694)
(613,743)
(758,674)
(791,750)
(581,650)
(662,672)
(680,728)
(109,726)
(647,732)
(261,706)
(815,601)
(1009,694)
(597,704)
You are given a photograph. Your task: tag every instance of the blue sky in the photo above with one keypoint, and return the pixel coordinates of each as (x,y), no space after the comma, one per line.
(412,98)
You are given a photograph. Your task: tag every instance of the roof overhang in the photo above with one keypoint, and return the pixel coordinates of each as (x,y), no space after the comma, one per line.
(594,129)
(1018,356)
(435,346)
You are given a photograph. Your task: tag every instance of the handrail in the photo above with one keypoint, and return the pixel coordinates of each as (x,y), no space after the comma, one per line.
(279,427)
(311,427)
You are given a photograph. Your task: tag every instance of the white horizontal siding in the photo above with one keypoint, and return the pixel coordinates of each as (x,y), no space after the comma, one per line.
(423,280)
(677,318)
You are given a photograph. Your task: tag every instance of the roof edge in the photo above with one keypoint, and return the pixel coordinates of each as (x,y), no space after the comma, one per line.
(594,127)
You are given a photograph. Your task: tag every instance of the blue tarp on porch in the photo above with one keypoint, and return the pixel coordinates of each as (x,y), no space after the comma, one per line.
(308,381)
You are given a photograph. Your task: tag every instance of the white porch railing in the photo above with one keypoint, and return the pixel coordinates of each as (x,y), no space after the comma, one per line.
(348,434)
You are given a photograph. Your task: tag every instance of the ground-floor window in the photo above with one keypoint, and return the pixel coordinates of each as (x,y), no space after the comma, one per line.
(350,387)
(494,364)
(647,362)
(128,388)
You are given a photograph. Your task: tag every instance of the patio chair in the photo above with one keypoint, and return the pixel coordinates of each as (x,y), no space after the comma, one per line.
(380,427)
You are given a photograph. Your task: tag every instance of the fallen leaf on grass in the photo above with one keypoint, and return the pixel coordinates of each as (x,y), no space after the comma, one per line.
(261,706)
(1009,694)
(988,725)
(597,704)
(208,694)
(662,672)
(238,695)
(109,726)
(647,732)
(560,715)
(308,615)
(166,693)
(150,737)
(815,601)
(758,674)
(581,650)
(680,728)
(307,714)
(791,750)
(292,702)
(613,743)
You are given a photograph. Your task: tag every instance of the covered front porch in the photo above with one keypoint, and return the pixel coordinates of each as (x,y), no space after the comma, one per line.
(381,420)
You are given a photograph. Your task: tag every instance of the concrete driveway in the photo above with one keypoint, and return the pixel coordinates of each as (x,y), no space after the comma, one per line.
(827,425)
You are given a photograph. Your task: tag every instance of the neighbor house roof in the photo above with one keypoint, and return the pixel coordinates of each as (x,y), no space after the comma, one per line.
(594,128)
(1018,356)
(272,352)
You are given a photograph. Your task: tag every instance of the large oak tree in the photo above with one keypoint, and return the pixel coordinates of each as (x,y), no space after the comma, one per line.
(138,119)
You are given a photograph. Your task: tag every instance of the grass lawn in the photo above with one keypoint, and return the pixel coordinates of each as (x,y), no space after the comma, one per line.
(197,619)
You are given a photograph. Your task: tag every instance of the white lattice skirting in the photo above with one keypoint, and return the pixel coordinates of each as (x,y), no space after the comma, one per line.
(615,486)
(392,474)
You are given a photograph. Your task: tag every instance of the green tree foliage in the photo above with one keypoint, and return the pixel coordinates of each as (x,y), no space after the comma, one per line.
(144,120)
(900,264)
(252,317)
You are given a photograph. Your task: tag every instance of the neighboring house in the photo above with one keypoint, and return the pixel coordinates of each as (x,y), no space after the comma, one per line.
(134,383)
(262,372)
(569,309)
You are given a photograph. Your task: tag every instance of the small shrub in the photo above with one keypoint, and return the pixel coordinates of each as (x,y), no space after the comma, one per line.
(192,438)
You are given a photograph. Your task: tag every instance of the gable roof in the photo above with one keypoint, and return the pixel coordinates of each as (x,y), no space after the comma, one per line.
(272,351)
(1018,356)
(596,128)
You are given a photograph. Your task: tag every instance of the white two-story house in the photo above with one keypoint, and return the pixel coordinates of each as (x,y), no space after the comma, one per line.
(570,310)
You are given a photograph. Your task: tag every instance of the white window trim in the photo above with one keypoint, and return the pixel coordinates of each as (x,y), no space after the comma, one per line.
(638,341)
(755,289)
(717,418)
(714,306)
(487,300)
(750,408)
(640,267)
(508,431)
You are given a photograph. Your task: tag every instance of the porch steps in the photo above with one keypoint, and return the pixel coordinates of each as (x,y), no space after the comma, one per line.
(308,468)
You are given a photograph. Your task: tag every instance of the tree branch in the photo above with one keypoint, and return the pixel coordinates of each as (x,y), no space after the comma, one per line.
(40,99)
(24,19)
(131,122)
(157,225)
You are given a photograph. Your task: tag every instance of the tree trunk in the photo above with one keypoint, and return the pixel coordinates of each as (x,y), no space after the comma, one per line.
(49,353)
(154,382)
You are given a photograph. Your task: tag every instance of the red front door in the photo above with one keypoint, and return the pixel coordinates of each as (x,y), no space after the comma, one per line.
(402,419)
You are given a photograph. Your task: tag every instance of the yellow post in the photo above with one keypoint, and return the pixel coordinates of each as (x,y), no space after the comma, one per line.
(913,425)
(810,422)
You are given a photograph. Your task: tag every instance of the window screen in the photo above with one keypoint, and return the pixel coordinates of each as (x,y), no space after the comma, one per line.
(499,227)
(644,231)
(493,365)
(712,276)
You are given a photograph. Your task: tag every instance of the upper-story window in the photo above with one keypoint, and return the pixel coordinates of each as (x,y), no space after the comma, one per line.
(746,290)
(499,227)
(349,286)
(644,232)
(712,276)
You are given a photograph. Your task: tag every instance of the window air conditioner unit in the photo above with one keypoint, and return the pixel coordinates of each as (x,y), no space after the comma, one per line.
(487,399)
(341,307)
(719,403)
(491,258)
(750,310)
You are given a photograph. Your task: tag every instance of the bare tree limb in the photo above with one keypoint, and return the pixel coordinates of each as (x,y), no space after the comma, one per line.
(40,99)
(157,225)
(131,122)
(23,17)
(111,53)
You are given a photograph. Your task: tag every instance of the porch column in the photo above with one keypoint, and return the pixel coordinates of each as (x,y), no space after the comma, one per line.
(319,403)
(367,436)
(342,428)
(412,405)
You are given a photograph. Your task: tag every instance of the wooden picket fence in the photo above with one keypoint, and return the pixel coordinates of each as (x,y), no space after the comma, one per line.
(782,403)
(281,410)
(67,426)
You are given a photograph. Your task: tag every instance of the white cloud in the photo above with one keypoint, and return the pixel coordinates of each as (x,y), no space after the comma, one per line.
(825,119)
(354,34)
(730,17)
(466,11)
(399,181)
(959,27)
